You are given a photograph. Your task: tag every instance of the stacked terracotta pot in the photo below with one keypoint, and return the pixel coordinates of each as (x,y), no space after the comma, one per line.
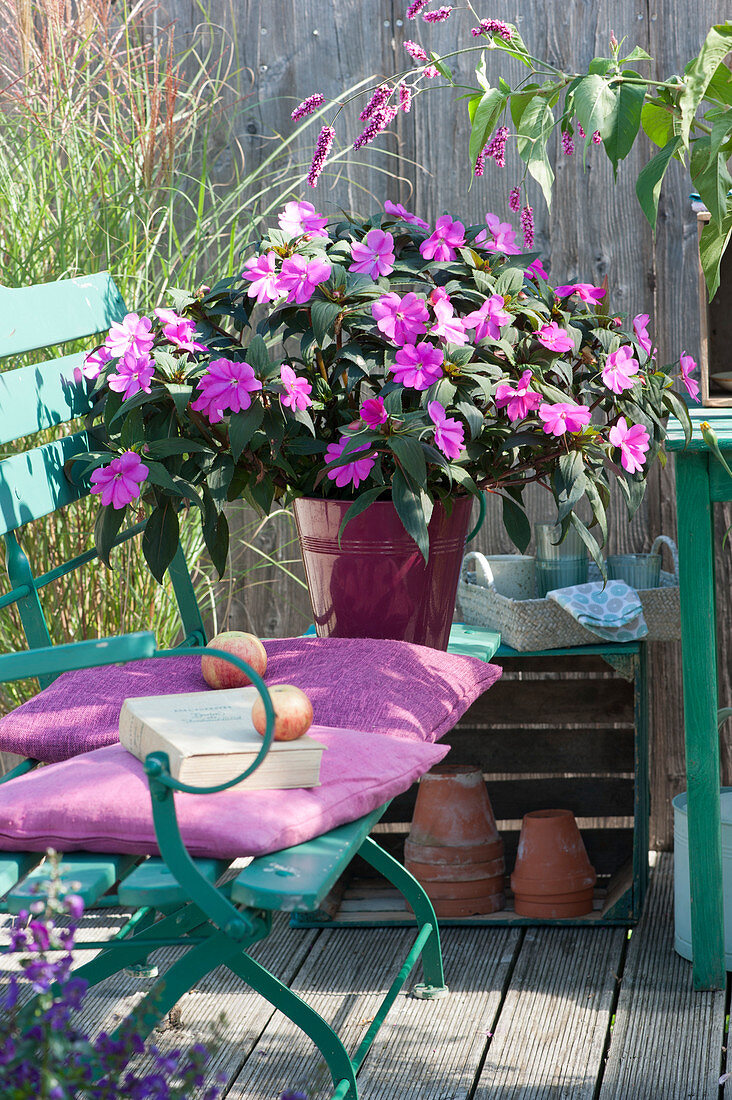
(453,847)
(553,876)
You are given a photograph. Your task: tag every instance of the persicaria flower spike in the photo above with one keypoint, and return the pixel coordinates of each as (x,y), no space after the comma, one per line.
(405,98)
(323,146)
(416,7)
(514,199)
(497,146)
(567,144)
(439,15)
(596,137)
(493,26)
(119,483)
(308,106)
(480,161)
(527,224)
(415,51)
(380,96)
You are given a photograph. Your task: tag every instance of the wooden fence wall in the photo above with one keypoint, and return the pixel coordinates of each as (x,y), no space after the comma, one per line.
(295,47)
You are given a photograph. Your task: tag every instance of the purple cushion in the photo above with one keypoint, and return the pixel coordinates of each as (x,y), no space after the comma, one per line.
(407,691)
(76,804)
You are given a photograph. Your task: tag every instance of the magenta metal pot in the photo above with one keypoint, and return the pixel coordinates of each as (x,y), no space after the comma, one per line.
(376,584)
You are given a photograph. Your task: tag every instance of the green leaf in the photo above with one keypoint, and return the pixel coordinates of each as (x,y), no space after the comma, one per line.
(677,407)
(483,121)
(162,448)
(510,282)
(242,426)
(134,402)
(133,429)
(625,122)
(520,100)
(106,528)
(323,315)
(710,177)
(410,509)
(160,539)
(657,121)
(409,454)
(697,77)
(589,542)
(537,123)
(165,360)
(596,104)
(257,356)
(516,523)
(720,86)
(637,54)
(650,178)
(712,245)
(216,537)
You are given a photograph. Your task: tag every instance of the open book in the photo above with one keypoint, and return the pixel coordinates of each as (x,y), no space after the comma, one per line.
(209,739)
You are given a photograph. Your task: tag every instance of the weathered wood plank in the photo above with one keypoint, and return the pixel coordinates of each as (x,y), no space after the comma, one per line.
(549,1039)
(667,1039)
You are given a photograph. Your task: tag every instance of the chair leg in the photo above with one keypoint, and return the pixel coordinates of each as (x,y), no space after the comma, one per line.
(434,978)
(304,1017)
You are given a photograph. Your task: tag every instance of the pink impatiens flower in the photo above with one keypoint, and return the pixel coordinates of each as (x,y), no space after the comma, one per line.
(620,370)
(93,363)
(375,255)
(449,433)
(226,385)
(373,412)
(640,328)
(518,400)
(633,442)
(119,483)
(299,277)
(489,319)
(536,269)
(555,338)
(134,373)
(179,330)
(418,365)
(298,218)
(131,334)
(447,325)
(586,292)
(564,417)
(260,273)
(499,237)
(688,365)
(297,390)
(448,235)
(398,211)
(401,319)
(353,472)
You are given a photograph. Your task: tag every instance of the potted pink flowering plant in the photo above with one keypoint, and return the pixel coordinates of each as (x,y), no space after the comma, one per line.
(384,363)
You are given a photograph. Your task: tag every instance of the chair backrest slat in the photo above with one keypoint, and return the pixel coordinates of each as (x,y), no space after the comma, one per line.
(34,484)
(42,316)
(42,395)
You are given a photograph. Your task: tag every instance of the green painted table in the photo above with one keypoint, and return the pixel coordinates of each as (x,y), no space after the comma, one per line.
(701,482)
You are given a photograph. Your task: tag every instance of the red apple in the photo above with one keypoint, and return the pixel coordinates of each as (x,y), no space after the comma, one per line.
(219,673)
(293,712)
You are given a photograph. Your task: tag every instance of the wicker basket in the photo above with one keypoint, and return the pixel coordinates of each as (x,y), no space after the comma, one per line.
(543,624)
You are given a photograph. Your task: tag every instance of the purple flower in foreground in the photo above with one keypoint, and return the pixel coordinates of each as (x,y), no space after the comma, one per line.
(398,211)
(518,400)
(375,255)
(536,269)
(448,235)
(489,319)
(620,370)
(401,319)
(688,365)
(586,292)
(298,218)
(373,412)
(119,483)
(449,433)
(262,278)
(633,442)
(439,15)
(226,385)
(555,338)
(418,365)
(415,51)
(317,99)
(131,334)
(323,145)
(133,374)
(564,417)
(354,471)
(299,277)
(447,325)
(297,390)
(502,236)
(179,330)
(93,363)
(640,328)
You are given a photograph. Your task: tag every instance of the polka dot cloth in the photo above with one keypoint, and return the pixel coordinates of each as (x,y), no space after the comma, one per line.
(612,612)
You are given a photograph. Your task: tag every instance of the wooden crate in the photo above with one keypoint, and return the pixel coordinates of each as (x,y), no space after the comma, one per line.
(561,730)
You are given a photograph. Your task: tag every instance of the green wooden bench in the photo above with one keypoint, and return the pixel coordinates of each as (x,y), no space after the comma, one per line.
(176,897)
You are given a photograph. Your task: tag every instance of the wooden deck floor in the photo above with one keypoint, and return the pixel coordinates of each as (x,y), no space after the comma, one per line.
(534,1014)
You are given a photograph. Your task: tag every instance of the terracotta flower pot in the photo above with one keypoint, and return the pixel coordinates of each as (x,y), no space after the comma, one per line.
(373,582)
(453,847)
(553,876)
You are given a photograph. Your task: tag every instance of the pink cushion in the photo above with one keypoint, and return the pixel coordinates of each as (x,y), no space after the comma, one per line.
(100,801)
(396,688)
